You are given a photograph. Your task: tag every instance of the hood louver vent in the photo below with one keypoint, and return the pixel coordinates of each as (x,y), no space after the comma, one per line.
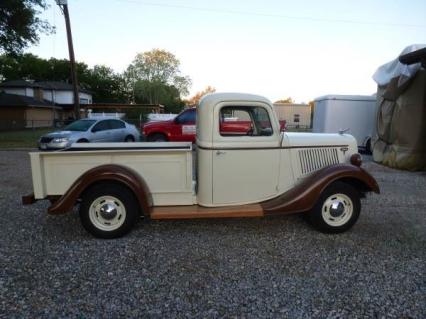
(315,158)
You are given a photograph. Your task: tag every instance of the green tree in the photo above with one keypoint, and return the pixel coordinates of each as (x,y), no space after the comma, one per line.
(30,67)
(154,77)
(287,100)
(20,25)
(105,84)
(195,100)
(167,95)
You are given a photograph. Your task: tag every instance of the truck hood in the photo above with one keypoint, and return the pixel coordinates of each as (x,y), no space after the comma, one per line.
(157,123)
(321,139)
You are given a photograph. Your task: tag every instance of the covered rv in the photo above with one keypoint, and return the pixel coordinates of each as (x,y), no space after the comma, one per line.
(352,113)
(400,141)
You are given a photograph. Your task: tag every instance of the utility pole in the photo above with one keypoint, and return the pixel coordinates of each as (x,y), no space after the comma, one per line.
(63,4)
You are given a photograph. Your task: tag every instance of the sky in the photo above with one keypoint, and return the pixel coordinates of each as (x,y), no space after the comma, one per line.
(278,49)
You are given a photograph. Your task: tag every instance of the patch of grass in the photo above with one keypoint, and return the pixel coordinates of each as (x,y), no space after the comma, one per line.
(22,138)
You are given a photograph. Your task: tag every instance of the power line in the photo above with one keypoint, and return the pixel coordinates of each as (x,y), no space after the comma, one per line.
(272,15)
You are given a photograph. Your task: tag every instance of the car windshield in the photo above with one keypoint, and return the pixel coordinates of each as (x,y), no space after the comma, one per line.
(81,125)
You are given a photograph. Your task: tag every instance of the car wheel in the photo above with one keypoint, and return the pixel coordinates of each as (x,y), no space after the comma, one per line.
(368,146)
(337,209)
(129,138)
(82,141)
(157,137)
(109,210)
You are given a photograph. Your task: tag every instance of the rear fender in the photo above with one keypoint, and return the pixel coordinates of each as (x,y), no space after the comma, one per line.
(105,173)
(305,194)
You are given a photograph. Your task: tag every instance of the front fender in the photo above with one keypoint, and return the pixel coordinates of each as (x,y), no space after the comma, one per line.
(305,194)
(103,173)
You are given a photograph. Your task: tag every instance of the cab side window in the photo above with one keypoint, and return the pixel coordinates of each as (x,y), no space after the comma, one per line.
(244,121)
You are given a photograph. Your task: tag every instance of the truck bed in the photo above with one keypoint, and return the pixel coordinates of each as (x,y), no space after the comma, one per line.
(166,168)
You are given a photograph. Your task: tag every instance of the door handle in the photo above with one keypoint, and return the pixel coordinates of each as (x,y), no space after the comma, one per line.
(220,152)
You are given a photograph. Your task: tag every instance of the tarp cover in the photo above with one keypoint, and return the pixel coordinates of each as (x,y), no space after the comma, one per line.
(385,73)
(400,140)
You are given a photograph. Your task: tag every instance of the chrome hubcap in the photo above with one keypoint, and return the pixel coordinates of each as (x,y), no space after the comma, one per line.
(337,210)
(107,213)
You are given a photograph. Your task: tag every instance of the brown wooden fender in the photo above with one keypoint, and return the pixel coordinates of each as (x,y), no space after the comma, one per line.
(305,194)
(109,172)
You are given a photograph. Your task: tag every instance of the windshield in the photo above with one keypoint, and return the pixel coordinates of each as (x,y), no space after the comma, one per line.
(81,125)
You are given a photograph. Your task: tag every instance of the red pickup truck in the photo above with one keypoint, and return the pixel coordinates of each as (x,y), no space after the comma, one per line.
(183,127)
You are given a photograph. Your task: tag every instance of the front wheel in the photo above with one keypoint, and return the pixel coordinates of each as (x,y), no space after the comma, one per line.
(157,137)
(337,209)
(109,210)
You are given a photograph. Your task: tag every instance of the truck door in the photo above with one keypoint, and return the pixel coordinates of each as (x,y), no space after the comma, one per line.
(184,128)
(246,154)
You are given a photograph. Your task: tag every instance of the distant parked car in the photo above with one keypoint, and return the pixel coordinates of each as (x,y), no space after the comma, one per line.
(90,130)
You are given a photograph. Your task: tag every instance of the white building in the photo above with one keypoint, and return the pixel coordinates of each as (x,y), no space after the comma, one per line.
(295,115)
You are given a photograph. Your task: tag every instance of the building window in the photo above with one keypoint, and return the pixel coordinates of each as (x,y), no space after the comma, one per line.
(84,101)
(296,118)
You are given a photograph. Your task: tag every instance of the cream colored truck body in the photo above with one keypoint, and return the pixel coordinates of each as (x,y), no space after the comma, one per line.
(230,170)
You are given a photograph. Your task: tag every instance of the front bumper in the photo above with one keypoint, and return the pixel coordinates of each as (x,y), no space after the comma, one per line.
(53,146)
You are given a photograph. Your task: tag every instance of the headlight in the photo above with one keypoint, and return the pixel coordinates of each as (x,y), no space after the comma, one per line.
(356,159)
(60,140)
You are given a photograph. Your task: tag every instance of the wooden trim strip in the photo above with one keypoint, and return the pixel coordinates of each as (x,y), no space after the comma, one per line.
(196,211)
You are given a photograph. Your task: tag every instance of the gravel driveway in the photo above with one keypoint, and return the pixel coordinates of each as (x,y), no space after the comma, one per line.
(263,268)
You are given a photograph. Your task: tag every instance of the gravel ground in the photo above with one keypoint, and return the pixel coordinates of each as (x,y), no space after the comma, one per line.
(276,267)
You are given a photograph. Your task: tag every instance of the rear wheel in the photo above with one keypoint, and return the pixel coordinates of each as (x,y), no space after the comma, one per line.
(157,137)
(129,138)
(82,141)
(337,209)
(109,210)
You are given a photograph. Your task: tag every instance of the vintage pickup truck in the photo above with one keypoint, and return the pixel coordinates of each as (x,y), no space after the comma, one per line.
(263,172)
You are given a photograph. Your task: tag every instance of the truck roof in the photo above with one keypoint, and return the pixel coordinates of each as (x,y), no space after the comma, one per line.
(214,98)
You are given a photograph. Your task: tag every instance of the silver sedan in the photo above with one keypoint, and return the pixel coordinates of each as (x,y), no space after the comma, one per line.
(90,130)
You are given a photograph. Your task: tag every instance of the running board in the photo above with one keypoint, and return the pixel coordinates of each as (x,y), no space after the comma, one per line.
(196,211)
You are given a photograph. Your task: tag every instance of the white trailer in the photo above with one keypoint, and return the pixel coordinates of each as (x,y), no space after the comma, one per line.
(354,113)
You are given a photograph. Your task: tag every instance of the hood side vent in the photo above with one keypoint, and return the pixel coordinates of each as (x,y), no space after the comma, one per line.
(316,158)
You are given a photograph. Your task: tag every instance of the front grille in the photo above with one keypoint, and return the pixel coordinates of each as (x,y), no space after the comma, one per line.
(46,139)
(315,158)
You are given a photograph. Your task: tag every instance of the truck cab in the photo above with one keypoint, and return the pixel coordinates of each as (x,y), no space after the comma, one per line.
(243,165)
